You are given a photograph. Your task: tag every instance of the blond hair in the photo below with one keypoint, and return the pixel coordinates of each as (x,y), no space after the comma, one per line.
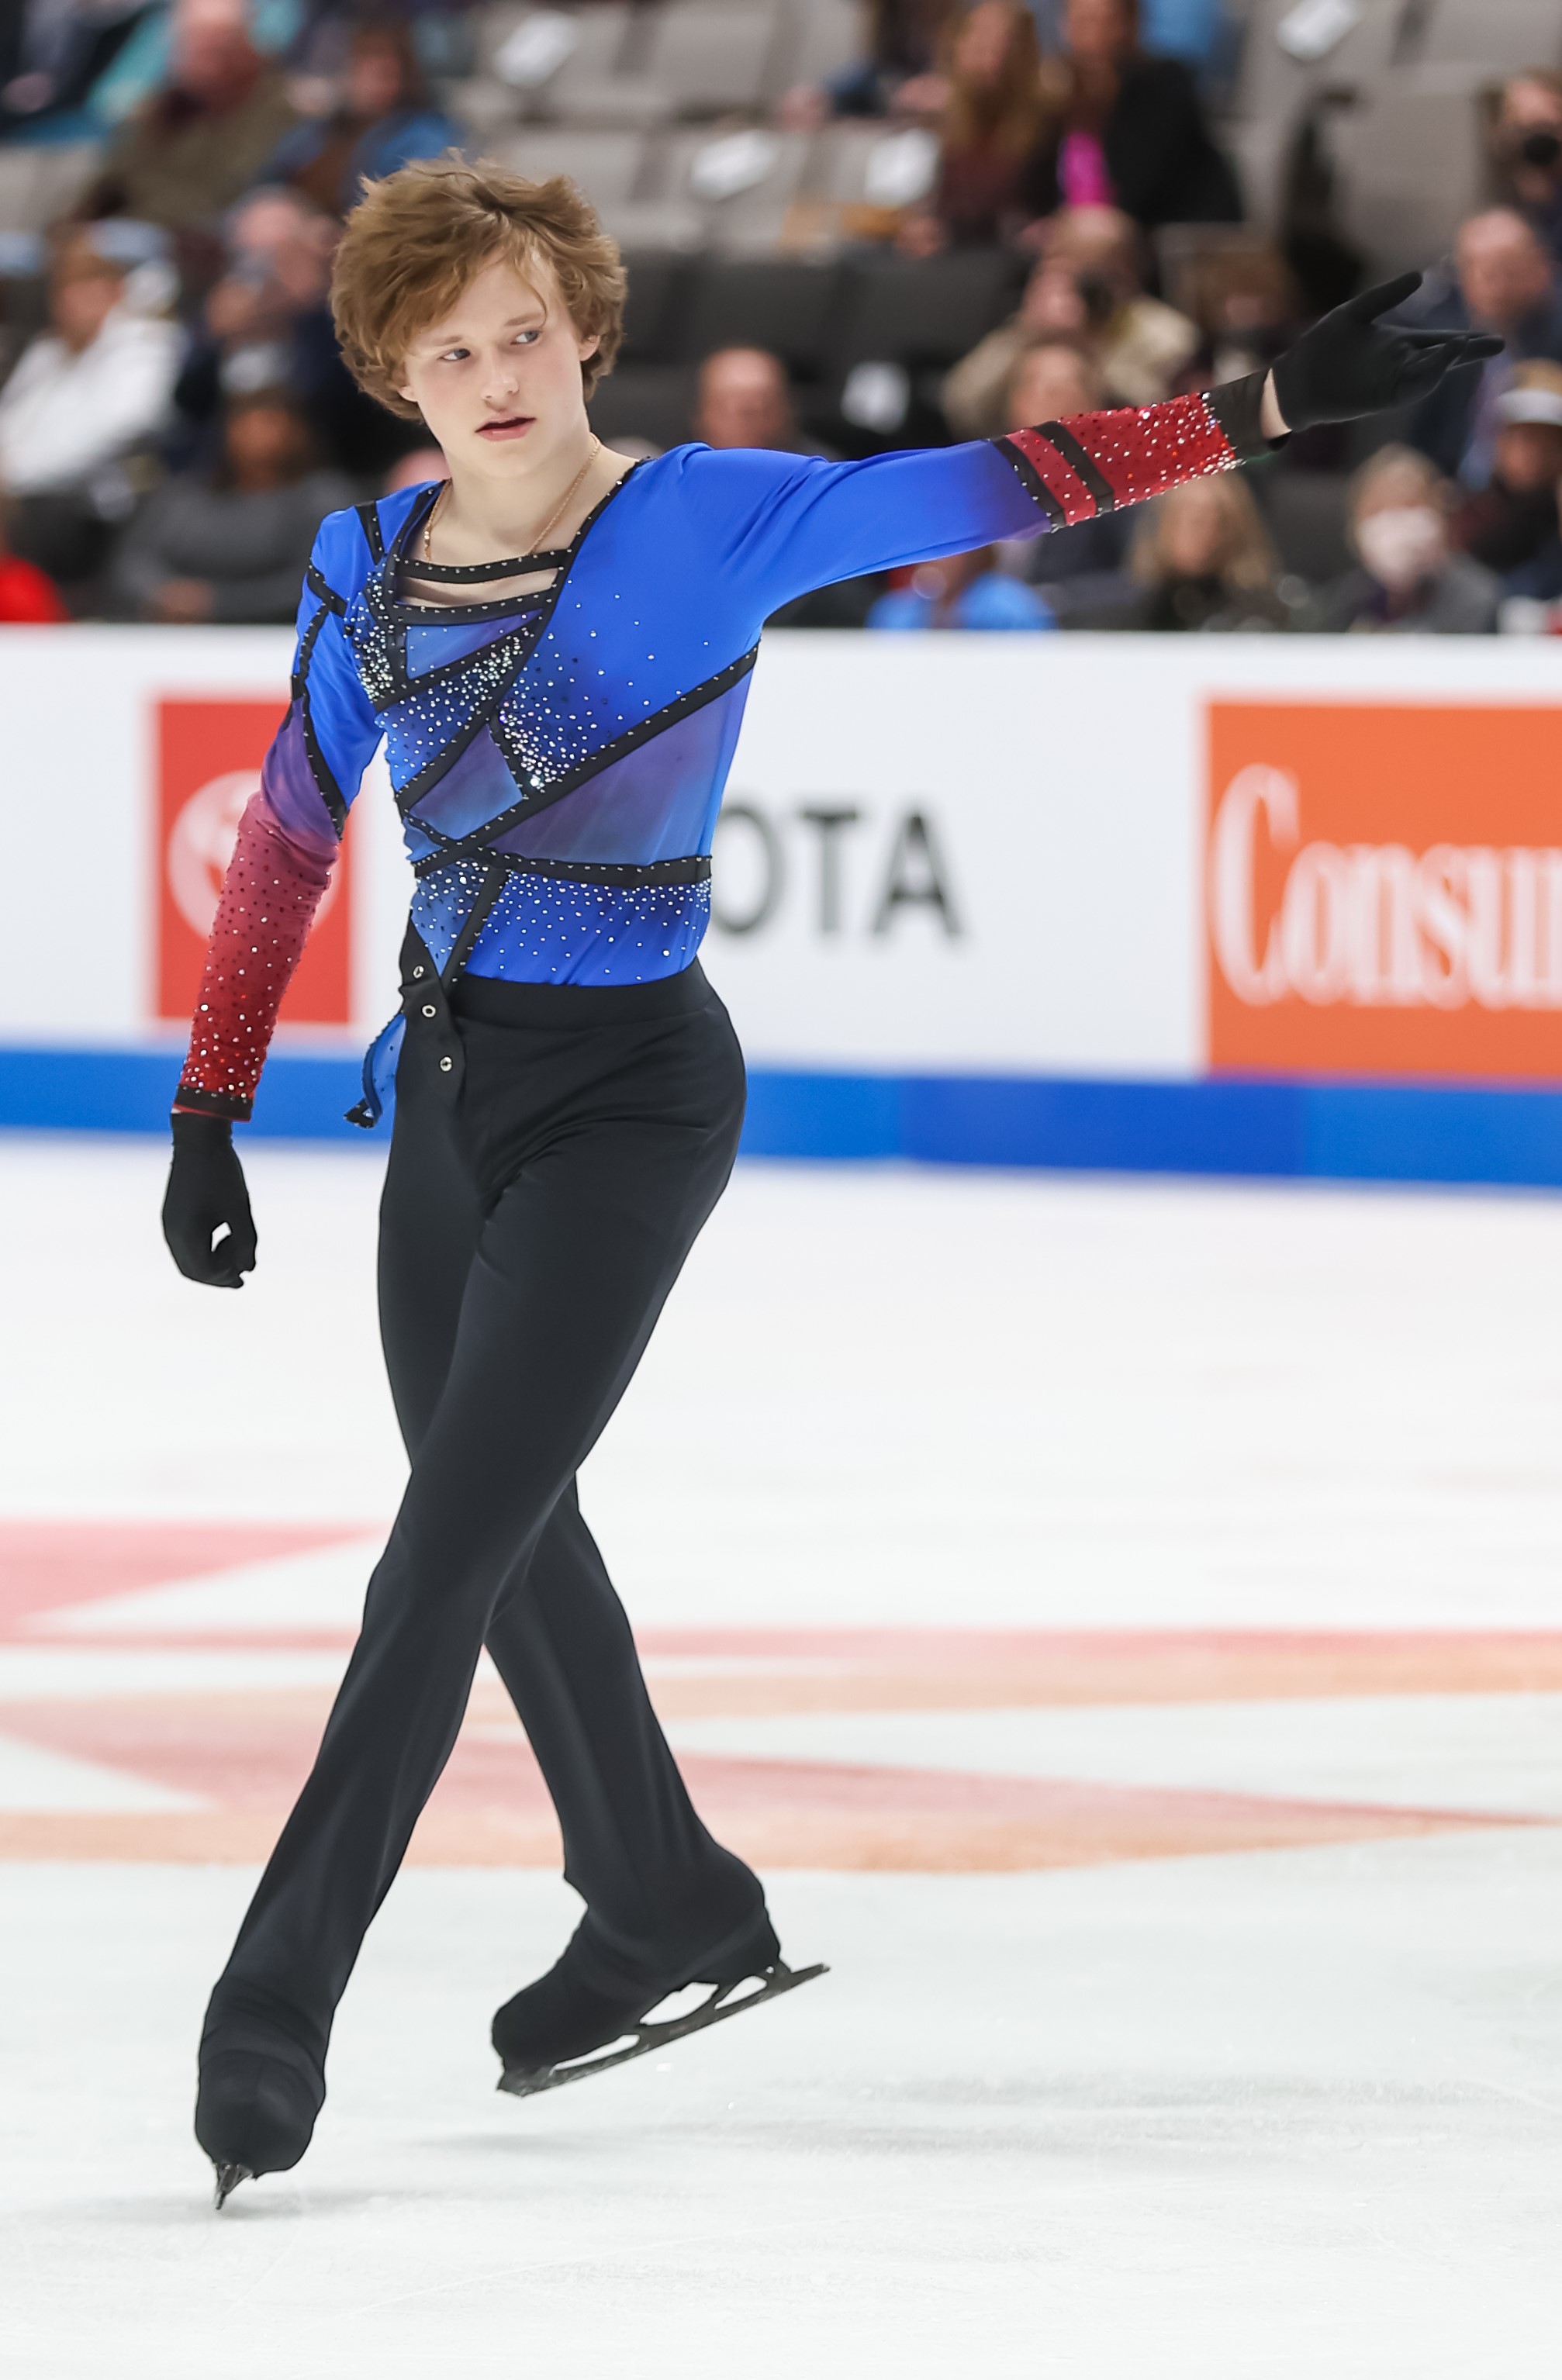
(1249,559)
(419,238)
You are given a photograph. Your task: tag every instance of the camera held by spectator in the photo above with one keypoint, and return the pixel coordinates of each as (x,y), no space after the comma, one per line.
(1086,287)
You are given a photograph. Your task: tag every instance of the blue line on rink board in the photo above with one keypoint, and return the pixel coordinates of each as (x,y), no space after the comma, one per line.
(1431,1132)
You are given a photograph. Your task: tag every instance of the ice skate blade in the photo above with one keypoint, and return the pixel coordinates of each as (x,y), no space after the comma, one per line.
(228,2179)
(525,2082)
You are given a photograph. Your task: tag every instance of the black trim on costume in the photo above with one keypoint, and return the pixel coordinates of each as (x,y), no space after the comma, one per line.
(321,587)
(462,949)
(215,1103)
(375,537)
(681,706)
(1032,482)
(473,573)
(1081,464)
(325,784)
(695,870)
(1238,409)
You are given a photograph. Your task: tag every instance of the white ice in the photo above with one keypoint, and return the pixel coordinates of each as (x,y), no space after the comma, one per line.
(1269,2117)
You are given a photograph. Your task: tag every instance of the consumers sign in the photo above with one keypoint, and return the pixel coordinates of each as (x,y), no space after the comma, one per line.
(1384,889)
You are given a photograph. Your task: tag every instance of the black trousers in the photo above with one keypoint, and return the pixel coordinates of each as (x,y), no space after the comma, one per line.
(534,1222)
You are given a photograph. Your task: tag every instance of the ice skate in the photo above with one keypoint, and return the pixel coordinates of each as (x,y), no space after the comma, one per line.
(565,2027)
(254,2113)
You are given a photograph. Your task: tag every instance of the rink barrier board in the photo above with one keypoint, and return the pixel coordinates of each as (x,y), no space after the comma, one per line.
(1283,1129)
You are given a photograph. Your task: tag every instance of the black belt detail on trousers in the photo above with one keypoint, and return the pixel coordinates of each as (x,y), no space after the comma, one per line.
(531,1231)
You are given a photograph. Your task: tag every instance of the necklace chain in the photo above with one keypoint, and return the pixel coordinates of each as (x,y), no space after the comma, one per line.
(556,514)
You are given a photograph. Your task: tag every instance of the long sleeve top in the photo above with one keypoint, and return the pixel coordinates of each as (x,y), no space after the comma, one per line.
(559,759)
(64,416)
(250,548)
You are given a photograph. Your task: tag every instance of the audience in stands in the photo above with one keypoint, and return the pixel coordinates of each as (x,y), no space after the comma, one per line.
(197,145)
(1410,580)
(743,398)
(384,120)
(1506,524)
(990,168)
(1086,287)
(1125,129)
(965,590)
(50,56)
(894,72)
(89,392)
(28,598)
(1203,560)
(1505,283)
(1248,310)
(1080,569)
(1527,150)
(231,544)
(266,324)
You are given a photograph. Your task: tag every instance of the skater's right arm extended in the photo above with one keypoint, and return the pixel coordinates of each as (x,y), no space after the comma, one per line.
(282,862)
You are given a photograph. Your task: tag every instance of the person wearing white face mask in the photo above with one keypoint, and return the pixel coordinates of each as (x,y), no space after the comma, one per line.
(1411,580)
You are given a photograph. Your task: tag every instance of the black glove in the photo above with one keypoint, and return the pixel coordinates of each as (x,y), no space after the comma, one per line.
(205,1196)
(1349,364)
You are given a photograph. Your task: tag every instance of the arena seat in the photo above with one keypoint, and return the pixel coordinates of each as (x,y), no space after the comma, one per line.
(777,303)
(922,312)
(1499,36)
(708,59)
(606,160)
(649,401)
(741,183)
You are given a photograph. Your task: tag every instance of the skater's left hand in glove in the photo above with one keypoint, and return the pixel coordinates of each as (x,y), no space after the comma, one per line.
(1352,362)
(206,1197)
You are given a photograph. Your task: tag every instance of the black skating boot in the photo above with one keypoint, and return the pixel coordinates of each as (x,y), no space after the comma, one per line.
(569,2023)
(255,2109)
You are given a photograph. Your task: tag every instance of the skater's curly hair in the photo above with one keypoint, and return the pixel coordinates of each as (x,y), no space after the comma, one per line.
(416,239)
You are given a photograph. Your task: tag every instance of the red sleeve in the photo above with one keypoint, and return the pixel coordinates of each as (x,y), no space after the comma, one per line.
(1097,462)
(270,895)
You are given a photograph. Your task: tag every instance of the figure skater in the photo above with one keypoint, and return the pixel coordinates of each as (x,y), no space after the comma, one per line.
(554,644)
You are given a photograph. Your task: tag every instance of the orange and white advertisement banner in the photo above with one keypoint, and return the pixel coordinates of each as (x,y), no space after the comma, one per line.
(1384,887)
(1108,856)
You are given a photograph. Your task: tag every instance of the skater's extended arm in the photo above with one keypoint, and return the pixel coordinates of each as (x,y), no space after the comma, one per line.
(282,861)
(781,524)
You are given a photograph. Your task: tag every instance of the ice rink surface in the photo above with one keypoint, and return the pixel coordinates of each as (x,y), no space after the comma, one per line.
(1125,1620)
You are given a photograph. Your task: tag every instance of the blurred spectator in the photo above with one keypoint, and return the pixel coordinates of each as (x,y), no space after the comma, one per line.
(1246,303)
(1537,582)
(188,152)
(92,389)
(1527,150)
(902,51)
(52,52)
(415,470)
(28,596)
(1087,289)
(965,590)
(1505,283)
(1081,568)
(1127,131)
(266,324)
(1204,561)
(1507,523)
(231,544)
(743,398)
(384,120)
(992,179)
(1411,580)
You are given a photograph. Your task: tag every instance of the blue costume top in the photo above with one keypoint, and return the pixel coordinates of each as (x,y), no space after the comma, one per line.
(559,759)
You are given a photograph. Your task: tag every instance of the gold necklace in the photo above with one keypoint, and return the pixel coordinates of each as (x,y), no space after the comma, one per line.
(556,514)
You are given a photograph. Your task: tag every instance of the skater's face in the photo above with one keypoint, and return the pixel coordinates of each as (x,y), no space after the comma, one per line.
(497,379)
